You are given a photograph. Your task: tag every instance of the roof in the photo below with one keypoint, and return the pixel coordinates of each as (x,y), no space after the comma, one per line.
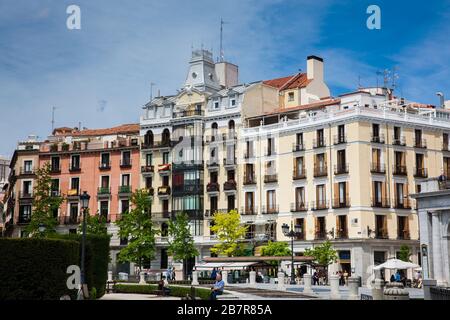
(122,129)
(298,80)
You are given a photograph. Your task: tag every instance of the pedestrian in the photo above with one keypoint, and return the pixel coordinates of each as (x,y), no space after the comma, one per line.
(218,287)
(392,278)
(345,277)
(169,273)
(397,276)
(213,274)
(173,273)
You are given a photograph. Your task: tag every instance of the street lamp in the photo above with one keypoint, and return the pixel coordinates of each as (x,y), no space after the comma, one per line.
(84,199)
(292,232)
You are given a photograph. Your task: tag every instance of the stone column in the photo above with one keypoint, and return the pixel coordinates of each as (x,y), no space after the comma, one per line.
(252,277)
(334,287)
(225,276)
(110,277)
(142,278)
(377,289)
(194,278)
(307,278)
(437,250)
(353,283)
(281,281)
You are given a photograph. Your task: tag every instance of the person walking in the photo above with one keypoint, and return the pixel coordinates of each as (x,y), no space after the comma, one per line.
(213,274)
(345,277)
(218,287)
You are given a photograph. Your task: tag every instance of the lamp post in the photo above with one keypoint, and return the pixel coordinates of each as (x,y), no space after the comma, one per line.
(84,198)
(292,233)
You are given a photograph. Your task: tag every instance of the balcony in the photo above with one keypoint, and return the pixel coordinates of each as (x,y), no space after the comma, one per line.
(26,195)
(229,162)
(249,210)
(164,191)
(270,178)
(296,147)
(273,209)
(341,203)
(147,169)
(124,190)
(320,171)
(320,235)
(299,207)
(125,163)
(379,138)
(158,145)
(378,168)
(299,173)
(150,190)
(161,215)
(70,220)
(341,233)
(249,179)
(212,187)
(403,203)
(55,169)
(380,202)
(420,173)
(74,167)
(319,205)
(420,143)
(188,113)
(212,164)
(399,141)
(27,171)
(319,143)
(341,169)
(399,170)
(229,185)
(105,165)
(270,152)
(73,194)
(248,154)
(339,139)
(403,235)
(103,191)
(381,233)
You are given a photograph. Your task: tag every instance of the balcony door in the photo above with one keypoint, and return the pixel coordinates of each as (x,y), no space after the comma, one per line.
(249,202)
(271,200)
(300,197)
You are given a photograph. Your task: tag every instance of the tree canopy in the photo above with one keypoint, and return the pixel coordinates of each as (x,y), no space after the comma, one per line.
(230,232)
(323,254)
(181,242)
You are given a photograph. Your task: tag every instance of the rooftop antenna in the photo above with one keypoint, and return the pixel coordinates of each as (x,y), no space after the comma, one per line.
(222,56)
(386,76)
(394,77)
(53,117)
(151,90)
(379,73)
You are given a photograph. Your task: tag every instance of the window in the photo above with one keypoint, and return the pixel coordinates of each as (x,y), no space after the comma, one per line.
(321,196)
(28,166)
(26,188)
(105,160)
(125,180)
(320,138)
(55,187)
(126,158)
(125,204)
(300,197)
(104,208)
(55,165)
(397,133)
(249,202)
(270,146)
(379,257)
(148,182)
(249,149)
(231,202)
(233,101)
(24,213)
(216,103)
(291,96)
(148,159)
(75,162)
(375,130)
(165,157)
(75,184)
(73,211)
(299,139)
(213,204)
(271,200)
(105,181)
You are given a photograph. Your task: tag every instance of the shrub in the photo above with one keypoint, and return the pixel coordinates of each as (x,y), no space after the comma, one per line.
(176,291)
(35,269)
(96,260)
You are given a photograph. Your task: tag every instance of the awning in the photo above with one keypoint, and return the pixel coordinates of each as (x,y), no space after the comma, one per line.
(238,265)
(224,265)
(208,265)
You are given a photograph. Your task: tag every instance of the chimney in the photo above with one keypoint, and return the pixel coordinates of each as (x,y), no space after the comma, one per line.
(314,68)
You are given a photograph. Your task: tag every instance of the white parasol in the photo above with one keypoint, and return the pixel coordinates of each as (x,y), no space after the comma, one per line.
(396,264)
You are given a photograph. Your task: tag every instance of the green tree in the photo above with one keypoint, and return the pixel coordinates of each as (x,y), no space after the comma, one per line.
(137,226)
(405,253)
(94,225)
(229,231)
(181,242)
(276,249)
(45,204)
(323,255)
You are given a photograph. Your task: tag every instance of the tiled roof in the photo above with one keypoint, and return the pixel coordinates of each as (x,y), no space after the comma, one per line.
(309,106)
(299,80)
(122,129)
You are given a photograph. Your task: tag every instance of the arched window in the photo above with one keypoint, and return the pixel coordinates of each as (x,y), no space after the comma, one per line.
(231,129)
(165,139)
(148,139)
(214,128)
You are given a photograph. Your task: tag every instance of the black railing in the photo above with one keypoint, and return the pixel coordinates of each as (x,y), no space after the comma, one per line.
(297,147)
(74,167)
(229,185)
(341,203)
(319,205)
(399,170)
(399,141)
(420,143)
(341,233)
(378,168)
(299,207)
(125,163)
(340,138)
(229,161)
(26,194)
(147,169)
(341,168)
(273,209)
(377,138)
(320,171)
(403,235)
(104,190)
(212,187)
(440,293)
(25,171)
(249,179)
(70,219)
(420,172)
(124,189)
(381,234)
(320,235)
(319,143)
(249,210)
(268,178)
(380,202)
(105,165)
(299,173)
(403,203)
(55,169)
(24,219)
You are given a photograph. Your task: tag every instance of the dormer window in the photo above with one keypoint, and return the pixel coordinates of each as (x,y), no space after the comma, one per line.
(216,103)
(233,101)
(290,96)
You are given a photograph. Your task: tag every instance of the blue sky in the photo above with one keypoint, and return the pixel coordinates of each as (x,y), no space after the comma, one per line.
(100,75)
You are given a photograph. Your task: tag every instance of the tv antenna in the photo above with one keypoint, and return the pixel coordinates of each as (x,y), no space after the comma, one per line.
(151,90)
(394,77)
(53,117)
(221,53)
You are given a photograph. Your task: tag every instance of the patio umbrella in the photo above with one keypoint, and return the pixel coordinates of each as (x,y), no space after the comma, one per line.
(396,264)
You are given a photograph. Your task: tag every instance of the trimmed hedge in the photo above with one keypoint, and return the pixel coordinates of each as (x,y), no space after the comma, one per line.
(35,269)
(175,291)
(96,260)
